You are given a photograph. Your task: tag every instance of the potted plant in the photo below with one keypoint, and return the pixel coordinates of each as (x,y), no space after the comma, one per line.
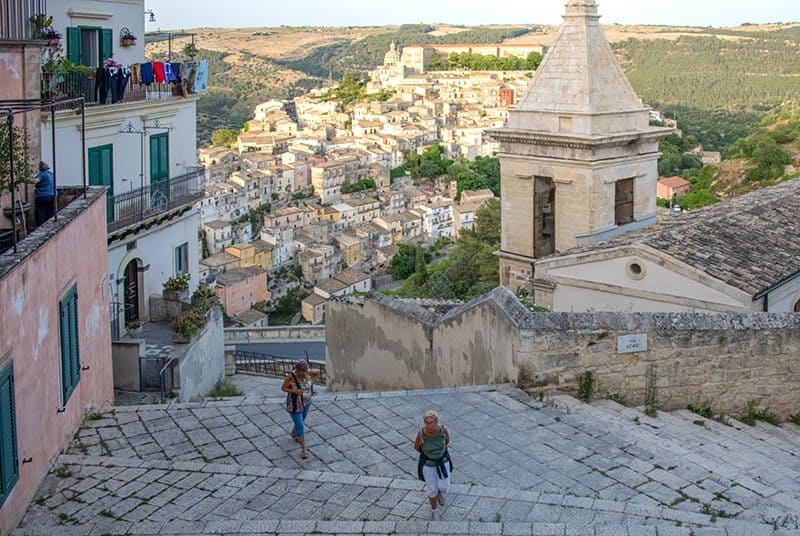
(134,328)
(127,39)
(16,150)
(176,288)
(187,325)
(40,24)
(53,37)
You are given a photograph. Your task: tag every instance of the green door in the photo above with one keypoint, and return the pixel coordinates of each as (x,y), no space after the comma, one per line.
(101,173)
(159,168)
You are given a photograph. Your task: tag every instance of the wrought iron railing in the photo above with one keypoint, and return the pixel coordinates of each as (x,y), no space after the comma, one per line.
(142,204)
(72,85)
(274,366)
(15,18)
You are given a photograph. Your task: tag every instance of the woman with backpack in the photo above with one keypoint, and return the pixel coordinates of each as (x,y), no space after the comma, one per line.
(435,465)
(299,389)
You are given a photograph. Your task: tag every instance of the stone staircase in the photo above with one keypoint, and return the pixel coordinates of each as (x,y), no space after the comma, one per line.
(523,466)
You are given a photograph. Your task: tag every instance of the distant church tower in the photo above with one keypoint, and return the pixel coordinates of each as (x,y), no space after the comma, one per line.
(578,156)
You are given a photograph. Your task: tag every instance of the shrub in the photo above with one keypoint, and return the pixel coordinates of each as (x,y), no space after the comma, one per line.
(223,389)
(178,283)
(586,387)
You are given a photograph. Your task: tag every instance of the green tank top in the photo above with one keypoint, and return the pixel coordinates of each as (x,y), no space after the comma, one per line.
(433,447)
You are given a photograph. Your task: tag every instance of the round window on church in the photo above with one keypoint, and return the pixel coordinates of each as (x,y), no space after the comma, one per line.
(636,270)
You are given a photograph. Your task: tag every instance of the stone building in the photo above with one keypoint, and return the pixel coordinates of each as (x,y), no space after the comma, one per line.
(742,255)
(579,157)
(239,289)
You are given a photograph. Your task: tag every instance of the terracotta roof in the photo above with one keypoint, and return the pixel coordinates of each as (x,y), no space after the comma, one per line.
(674,182)
(749,242)
(315,299)
(249,317)
(237,275)
(332,286)
(351,277)
(220,259)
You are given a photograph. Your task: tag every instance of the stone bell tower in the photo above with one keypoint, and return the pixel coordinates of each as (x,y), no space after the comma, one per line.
(579,158)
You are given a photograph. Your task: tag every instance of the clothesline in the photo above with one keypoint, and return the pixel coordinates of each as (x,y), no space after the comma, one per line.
(186,77)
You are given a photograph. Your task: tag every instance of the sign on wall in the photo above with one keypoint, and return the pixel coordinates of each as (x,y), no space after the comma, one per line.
(631,344)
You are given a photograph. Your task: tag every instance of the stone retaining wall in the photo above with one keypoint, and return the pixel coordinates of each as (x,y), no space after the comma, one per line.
(275,334)
(718,360)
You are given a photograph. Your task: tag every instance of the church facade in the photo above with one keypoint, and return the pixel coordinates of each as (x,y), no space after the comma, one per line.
(579,158)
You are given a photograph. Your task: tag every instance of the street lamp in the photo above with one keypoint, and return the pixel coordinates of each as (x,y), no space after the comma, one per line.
(152,15)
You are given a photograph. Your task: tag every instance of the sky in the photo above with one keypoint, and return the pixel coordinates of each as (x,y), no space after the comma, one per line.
(177,14)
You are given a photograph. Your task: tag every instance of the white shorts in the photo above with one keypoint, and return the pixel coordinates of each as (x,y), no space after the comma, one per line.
(433,484)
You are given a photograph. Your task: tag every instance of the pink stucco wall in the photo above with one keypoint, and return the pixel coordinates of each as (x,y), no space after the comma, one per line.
(29,336)
(20,79)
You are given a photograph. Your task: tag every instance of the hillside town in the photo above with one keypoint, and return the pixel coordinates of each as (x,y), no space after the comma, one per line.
(305,193)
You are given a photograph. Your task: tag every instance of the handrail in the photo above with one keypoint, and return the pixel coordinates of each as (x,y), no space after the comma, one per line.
(274,366)
(156,198)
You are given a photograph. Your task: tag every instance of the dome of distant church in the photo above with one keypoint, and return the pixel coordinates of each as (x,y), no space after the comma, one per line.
(392,57)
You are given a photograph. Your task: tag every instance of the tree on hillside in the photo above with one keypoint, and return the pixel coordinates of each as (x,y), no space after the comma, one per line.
(225,137)
(404,264)
(487,222)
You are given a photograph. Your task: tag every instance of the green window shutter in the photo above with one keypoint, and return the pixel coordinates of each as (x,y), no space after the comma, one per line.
(74,45)
(106,44)
(159,157)
(70,355)
(95,170)
(9,458)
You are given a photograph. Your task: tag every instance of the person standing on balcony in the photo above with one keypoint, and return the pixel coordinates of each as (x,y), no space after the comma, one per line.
(45,194)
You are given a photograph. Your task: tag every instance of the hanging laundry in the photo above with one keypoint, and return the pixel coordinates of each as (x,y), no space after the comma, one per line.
(176,70)
(201,77)
(102,85)
(169,73)
(119,82)
(147,74)
(158,71)
(188,78)
(136,74)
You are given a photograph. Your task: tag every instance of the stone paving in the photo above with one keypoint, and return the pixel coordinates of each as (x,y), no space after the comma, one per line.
(522,466)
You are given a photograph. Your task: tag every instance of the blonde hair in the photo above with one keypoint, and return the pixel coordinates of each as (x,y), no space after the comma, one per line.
(429,414)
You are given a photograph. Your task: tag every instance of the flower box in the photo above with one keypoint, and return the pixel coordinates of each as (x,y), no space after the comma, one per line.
(128,42)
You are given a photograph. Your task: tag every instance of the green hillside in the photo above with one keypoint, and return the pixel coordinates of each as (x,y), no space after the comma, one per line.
(366,54)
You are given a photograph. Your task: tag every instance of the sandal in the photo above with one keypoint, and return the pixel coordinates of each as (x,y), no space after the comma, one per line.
(304,454)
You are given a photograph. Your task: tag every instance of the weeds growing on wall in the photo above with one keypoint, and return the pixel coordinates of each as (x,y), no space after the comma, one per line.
(651,394)
(586,387)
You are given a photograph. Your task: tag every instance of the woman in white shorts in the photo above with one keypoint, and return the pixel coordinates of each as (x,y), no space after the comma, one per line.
(434,460)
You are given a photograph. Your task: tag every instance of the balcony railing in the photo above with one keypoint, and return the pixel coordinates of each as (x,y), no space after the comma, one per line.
(15,18)
(73,85)
(142,204)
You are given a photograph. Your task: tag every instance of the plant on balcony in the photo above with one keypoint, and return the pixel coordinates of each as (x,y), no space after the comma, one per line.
(127,39)
(14,150)
(177,287)
(40,25)
(204,298)
(188,325)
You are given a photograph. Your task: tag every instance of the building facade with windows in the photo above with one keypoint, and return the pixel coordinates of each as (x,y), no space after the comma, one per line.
(55,345)
(142,148)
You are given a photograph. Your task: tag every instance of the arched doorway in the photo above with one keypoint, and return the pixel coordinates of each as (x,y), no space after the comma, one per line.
(797,307)
(131,292)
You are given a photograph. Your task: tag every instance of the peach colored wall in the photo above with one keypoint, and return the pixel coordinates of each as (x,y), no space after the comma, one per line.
(240,297)
(29,336)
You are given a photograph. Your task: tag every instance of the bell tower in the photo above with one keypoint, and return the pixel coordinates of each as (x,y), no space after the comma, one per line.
(579,159)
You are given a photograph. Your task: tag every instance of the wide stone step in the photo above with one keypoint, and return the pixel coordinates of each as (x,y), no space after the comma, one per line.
(762,445)
(281,527)
(127,495)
